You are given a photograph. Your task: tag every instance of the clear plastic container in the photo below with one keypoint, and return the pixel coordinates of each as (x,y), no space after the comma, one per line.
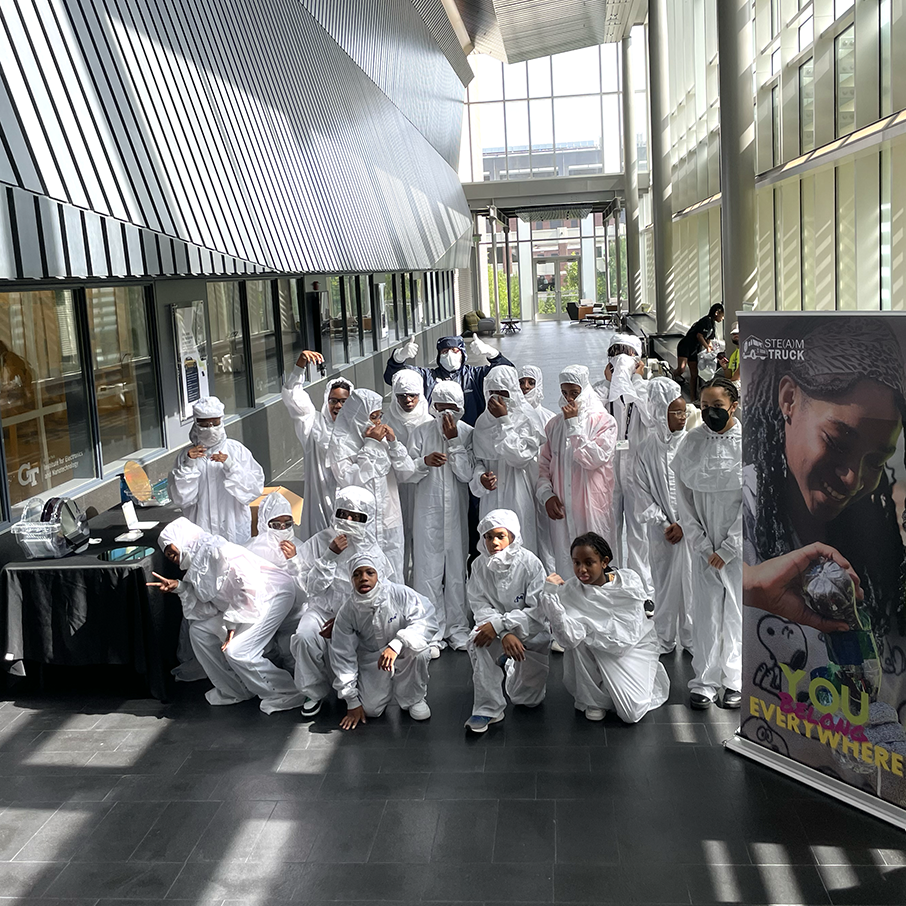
(40,530)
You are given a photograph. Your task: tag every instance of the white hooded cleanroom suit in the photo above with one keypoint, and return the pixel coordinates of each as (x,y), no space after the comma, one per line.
(404,423)
(327,586)
(314,429)
(535,396)
(576,465)
(610,659)
(266,544)
(441,532)
(509,447)
(389,616)
(505,591)
(216,495)
(708,467)
(658,509)
(625,396)
(227,587)
(374,465)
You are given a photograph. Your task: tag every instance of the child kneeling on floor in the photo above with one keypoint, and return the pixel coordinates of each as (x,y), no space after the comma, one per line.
(611,646)
(504,593)
(380,645)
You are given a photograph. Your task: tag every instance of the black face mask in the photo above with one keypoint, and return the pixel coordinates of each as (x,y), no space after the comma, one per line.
(715,419)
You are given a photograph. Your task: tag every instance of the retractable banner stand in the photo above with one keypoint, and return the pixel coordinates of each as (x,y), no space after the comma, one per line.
(824,482)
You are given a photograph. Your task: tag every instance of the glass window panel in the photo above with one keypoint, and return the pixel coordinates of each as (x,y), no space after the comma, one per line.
(43,401)
(515,81)
(842,6)
(355,323)
(390,304)
(884,14)
(228,346)
(775,123)
(612,137)
(845,73)
(539,77)
(610,67)
(488,82)
(488,141)
(417,302)
(517,139)
(775,62)
(262,338)
(577,72)
(886,259)
(383,295)
(807,106)
(290,324)
(775,17)
(542,120)
(577,127)
(806,33)
(336,326)
(125,379)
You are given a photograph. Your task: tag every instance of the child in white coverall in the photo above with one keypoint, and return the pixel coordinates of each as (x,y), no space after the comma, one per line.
(379,647)
(504,594)
(234,603)
(610,662)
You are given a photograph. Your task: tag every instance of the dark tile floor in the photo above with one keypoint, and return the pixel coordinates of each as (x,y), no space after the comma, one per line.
(105,800)
(110,800)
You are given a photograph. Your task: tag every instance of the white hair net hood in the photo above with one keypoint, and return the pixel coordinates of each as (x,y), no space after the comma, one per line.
(356,500)
(588,400)
(351,424)
(447,392)
(334,382)
(662,392)
(405,382)
(274,505)
(507,519)
(208,407)
(534,397)
(503,377)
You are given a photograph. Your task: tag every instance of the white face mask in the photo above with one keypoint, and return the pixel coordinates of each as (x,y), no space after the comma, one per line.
(455,414)
(211,437)
(451,359)
(352,530)
(282,534)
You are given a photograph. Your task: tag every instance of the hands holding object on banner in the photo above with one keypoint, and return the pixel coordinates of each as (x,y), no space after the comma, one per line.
(776,586)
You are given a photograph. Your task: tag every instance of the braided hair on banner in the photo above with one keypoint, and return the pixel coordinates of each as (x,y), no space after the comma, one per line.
(838,356)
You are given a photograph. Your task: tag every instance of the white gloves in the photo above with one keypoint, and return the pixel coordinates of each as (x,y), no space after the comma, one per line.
(479,347)
(409,350)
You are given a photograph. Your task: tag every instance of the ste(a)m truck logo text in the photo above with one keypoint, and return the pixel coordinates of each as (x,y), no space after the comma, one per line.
(777,348)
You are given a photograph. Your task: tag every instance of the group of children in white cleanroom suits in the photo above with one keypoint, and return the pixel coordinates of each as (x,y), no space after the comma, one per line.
(386,508)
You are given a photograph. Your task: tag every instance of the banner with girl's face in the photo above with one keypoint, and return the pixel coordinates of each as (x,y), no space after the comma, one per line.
(824,481)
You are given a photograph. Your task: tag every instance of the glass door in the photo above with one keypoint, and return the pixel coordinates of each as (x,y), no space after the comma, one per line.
(556,285)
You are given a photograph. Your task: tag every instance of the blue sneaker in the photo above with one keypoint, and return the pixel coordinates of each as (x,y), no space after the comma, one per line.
(477,723)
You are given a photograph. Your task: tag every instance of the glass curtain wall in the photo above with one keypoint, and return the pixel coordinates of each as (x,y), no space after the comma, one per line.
(552,263)
(553,116)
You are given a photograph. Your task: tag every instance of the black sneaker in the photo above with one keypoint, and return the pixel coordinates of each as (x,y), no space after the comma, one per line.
(699,702)
(732,698)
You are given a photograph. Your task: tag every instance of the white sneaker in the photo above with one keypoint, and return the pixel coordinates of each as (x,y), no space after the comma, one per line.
(420,710)
(556,646)
(435,651)
(594,714)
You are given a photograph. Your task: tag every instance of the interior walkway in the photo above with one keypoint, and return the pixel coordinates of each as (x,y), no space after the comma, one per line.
(110,799)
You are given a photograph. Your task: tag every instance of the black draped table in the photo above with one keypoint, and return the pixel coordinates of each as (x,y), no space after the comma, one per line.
(80,610)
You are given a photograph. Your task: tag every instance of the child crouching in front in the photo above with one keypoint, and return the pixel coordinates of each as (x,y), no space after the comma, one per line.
(611,646)
(380,645)
(504,592)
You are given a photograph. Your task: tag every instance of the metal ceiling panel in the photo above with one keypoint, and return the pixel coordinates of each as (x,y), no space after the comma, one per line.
(518,30)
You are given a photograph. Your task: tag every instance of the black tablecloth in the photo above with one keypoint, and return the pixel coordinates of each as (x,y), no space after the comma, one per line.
(80,610)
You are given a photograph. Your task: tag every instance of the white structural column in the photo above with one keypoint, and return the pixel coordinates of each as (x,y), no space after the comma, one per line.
(661,178)
(737,156)
(631,181)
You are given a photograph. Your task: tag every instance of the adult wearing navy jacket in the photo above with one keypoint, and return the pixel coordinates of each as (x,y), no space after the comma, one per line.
(451,366)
